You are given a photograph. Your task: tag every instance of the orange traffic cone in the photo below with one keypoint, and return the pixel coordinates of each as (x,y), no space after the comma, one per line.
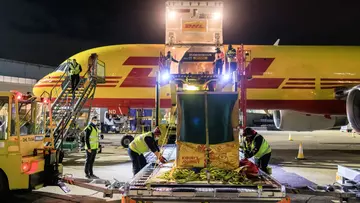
(300,155)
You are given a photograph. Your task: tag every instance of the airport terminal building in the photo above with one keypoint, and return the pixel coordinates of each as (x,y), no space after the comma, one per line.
(21,76)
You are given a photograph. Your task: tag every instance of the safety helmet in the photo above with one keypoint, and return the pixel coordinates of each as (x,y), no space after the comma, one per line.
(249,132)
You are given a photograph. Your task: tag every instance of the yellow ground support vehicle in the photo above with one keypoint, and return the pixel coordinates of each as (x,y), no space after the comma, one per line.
(25,160)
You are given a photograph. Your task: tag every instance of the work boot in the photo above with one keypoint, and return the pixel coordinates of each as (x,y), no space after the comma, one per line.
(94,176)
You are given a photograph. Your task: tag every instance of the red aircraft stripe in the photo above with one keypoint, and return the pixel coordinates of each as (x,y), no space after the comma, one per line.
(258,66)
(305,79)
(334,107)
(262,83)
(339,83)
(51,85)
(45,85)
(113,81)
(300,83)
(113,77)
(340,79)
(139,77)
(101,85)
(297,87)
(330,87)
(141,61)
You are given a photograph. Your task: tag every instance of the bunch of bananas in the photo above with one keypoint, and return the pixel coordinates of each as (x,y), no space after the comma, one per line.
(235,177)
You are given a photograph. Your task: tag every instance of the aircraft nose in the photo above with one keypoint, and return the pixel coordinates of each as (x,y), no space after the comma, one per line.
(37,89)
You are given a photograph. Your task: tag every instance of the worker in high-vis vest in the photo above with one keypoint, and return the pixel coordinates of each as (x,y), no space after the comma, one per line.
(91,147)
(231,58)
(219,61)
(74,70)
(141,144)
(256,146)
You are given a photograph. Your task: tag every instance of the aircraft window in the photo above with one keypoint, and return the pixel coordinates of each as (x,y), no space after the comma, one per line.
(62,68)
(27,125)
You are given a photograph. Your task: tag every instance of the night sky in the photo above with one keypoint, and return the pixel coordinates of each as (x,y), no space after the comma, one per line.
(49,31)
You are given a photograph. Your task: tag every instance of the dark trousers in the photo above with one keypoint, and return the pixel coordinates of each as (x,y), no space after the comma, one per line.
(232,67)
(263,162)
(75,79)
(138,161)
(89,163)
(218,68)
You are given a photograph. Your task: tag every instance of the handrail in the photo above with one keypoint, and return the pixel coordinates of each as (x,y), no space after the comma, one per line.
(59,96)
(85,89)
(65,117)
(88,90)
(54,86)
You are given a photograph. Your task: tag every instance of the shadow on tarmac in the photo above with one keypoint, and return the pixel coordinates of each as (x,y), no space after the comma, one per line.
(324,159)
(97,163)
(45,197)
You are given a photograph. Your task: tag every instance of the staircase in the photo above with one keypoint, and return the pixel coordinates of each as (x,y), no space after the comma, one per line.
(66,105)
(66,108)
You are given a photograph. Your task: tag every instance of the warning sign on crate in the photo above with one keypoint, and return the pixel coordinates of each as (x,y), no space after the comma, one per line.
(223,155)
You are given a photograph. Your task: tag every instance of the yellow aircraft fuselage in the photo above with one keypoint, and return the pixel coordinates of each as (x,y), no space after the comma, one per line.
(300,78)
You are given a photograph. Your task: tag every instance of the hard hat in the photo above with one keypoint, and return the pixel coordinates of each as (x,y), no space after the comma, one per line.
(249,131)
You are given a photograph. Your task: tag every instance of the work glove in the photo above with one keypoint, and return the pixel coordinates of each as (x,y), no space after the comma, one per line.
(162,160)
(247,154)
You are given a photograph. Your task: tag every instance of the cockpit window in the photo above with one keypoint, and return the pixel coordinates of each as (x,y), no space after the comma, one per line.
(62,67)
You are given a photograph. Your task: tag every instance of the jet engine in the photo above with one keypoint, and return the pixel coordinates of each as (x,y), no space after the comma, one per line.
(353,108)
(298,121)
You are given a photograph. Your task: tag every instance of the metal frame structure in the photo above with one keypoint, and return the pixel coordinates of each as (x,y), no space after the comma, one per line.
(345,174)
(66,105)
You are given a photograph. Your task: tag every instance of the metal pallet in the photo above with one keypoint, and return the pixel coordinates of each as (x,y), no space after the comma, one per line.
(140,189)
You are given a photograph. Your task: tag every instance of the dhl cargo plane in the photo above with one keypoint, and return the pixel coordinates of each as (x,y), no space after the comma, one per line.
(309,87)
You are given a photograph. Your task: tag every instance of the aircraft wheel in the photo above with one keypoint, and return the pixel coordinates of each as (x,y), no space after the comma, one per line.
(125,141)
(4,184)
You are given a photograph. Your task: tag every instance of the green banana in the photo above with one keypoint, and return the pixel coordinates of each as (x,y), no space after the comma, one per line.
(234,177)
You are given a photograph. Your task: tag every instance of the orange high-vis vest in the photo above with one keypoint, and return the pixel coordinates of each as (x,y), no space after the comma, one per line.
(220,55)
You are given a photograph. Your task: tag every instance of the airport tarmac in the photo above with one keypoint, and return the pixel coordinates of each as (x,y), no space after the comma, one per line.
(323,151)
